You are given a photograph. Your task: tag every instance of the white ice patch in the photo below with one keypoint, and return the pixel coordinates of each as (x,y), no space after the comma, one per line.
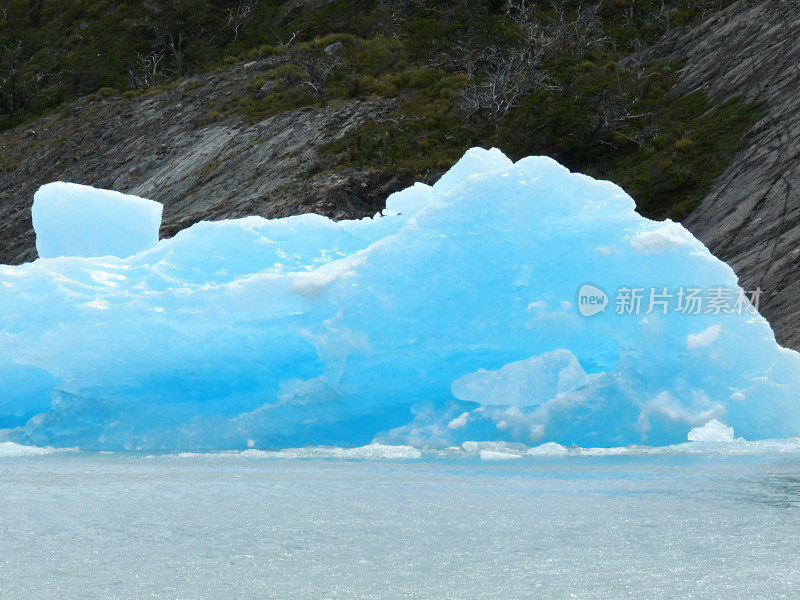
(494,455)
(548,449)
(372,451)
(369,452)
(713,431)
(669,236)
(12,450)
(409,201)
(722,446)
(695,341)
(459,421)
(523,383)
(78,220)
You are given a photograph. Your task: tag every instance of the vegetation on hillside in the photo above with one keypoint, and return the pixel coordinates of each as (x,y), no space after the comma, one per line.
(545,77)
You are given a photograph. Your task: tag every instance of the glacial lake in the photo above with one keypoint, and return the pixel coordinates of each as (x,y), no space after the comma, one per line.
(232,526)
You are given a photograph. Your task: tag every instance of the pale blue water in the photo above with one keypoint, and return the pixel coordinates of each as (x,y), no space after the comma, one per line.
(219,527)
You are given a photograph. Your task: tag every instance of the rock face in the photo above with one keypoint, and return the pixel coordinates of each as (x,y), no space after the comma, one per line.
(751,217)
(168,146)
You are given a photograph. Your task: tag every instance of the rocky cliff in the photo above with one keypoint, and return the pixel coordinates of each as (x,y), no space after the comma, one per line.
(751,217)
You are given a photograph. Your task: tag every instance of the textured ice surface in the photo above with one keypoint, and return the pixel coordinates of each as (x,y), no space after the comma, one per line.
(451,318)
(78,220)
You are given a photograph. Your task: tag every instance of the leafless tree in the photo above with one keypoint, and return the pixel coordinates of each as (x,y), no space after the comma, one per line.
(614,109)
(571,32)
(499,79)
(146,69)
(176,42)
(317,66)
(239,15)
(11,76)
(662,17)
(290,41)
(501,76)
(391,14)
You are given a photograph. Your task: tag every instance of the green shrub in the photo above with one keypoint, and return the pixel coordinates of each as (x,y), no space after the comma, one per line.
(684,144)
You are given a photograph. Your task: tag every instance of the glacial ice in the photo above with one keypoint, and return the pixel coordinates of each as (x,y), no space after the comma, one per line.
(78,220)
(452,316)
(713,431)
(12,450)
(495,455)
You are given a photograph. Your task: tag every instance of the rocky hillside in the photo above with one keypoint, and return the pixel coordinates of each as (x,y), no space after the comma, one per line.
(164,146)
(275,108)
(751,216)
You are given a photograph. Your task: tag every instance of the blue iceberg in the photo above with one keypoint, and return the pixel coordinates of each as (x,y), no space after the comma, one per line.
(514,302)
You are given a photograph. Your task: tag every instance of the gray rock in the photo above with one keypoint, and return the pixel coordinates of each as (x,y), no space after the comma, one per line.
(336,49)
(266,89)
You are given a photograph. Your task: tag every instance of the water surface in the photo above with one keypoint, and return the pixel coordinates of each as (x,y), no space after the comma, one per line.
(648,526)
